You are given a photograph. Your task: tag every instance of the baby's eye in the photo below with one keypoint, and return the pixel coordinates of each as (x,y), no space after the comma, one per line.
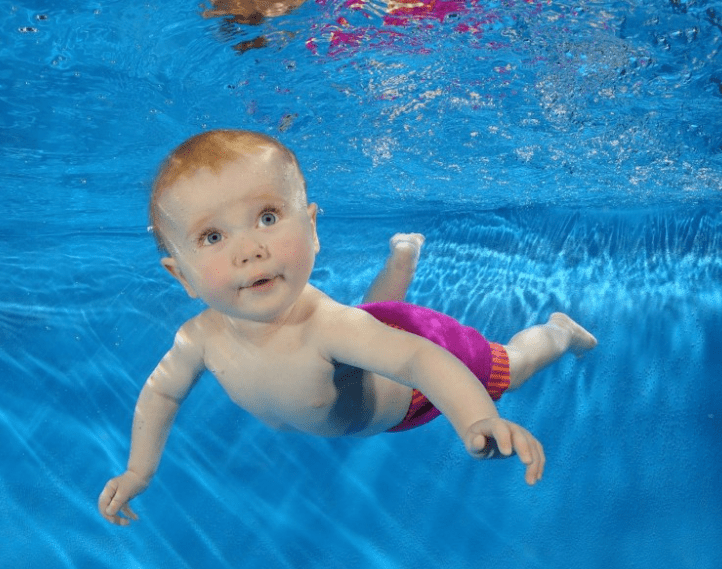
(268,218)
(211,238)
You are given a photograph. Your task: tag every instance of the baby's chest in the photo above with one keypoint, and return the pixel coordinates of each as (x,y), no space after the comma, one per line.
(276,380)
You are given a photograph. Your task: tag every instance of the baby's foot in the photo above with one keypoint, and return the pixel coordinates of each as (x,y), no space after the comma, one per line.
(406,247)
(580,341)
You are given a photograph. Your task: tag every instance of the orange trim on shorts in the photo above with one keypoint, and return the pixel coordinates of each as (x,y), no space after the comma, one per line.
(500,376)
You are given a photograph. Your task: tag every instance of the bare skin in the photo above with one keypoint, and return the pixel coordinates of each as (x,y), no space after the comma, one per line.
(284,351)
(394,279)
(535,348)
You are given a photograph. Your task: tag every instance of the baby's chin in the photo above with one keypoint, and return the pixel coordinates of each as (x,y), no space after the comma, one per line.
(258,314)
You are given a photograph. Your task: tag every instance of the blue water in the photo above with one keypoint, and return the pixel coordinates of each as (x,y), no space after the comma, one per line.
(558,156)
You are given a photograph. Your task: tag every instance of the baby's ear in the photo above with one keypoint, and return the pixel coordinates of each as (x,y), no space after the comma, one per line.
(170,265)
(312,210)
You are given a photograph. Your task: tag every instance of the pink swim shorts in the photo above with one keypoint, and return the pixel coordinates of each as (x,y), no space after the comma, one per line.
(488,361)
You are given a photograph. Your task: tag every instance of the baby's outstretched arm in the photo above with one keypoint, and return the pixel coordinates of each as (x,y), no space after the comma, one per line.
(445,380)
(155,412)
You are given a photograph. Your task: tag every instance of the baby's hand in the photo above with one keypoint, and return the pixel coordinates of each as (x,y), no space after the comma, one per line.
(509,437)
(115,497)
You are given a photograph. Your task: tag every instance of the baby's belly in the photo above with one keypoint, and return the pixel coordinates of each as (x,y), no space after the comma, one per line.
(365,403)
(350,402)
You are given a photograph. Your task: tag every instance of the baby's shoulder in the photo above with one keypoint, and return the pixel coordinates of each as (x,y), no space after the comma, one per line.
(333,318)
(198,329)
(325,310)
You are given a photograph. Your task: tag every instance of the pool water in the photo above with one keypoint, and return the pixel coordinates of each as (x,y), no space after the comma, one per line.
(557,156)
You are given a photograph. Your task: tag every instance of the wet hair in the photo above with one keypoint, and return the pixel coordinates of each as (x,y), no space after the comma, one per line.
(214,150)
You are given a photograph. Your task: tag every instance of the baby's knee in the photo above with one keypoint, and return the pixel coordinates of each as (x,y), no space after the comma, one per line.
(519,367)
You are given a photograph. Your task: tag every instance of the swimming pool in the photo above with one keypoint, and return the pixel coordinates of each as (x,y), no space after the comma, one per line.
(556,155)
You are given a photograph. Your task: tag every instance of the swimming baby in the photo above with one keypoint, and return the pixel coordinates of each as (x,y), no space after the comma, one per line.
(229,208)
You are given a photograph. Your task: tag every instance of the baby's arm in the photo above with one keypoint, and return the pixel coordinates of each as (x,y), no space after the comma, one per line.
(155,411)
(358,339)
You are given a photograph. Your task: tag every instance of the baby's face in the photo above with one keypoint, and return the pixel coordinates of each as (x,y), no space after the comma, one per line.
(244,239)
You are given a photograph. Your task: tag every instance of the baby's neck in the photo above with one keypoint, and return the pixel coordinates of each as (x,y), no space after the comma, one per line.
(259,332)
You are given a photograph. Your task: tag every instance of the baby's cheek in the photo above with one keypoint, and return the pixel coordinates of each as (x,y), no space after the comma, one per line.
(298,252)
(217,280)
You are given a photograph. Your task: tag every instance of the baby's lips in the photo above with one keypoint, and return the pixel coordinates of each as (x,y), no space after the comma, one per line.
(258,280)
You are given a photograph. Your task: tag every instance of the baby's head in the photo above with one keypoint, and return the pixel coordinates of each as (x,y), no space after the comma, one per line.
(230,209)
(215,150)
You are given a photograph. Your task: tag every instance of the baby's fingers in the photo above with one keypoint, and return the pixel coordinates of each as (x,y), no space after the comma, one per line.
(497,438)
(486,440)
(113,511)
(107,495)
(111,501)
(504,437)
(129,513)
(531,453)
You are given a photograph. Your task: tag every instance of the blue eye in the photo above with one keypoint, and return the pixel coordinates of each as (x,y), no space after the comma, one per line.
(212,237)
(268,218)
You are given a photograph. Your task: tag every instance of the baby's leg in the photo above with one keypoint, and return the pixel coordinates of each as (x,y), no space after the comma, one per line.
(394,279)
(534,348)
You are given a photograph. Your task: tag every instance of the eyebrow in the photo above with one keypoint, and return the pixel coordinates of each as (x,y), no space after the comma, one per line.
(197,227)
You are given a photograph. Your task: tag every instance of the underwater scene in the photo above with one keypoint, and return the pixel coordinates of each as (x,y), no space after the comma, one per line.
(557,156)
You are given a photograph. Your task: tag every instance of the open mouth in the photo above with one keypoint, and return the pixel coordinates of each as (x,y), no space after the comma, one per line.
(262,283)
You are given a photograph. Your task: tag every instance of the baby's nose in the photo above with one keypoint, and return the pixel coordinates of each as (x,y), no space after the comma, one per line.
(250,251)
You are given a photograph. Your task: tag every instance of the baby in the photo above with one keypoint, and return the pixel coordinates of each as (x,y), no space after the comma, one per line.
(229,208)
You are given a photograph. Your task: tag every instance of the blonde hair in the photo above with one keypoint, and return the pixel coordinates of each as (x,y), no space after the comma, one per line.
(214,150)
